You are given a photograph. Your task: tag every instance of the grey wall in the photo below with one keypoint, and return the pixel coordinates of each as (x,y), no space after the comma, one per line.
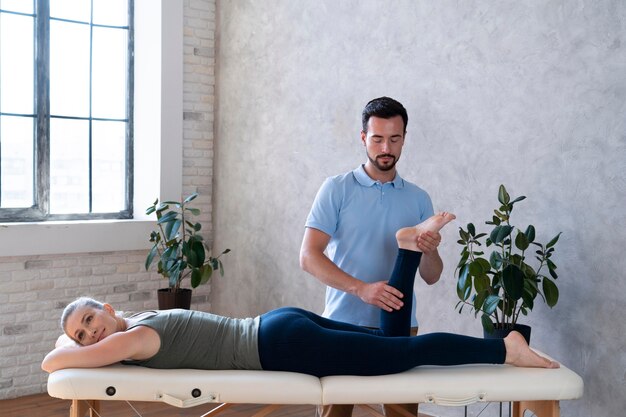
(530,94)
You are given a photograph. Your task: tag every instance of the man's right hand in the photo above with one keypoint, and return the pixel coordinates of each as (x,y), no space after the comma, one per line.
(381,295)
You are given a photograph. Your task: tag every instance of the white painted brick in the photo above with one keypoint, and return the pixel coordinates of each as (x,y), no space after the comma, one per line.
(11,266)
(115,259)
(90,260)
(87,281)
(53,273)
(64,262)
(38,284)
(22,297)
(79,271)
(24,275)
(12,287)
(104,269)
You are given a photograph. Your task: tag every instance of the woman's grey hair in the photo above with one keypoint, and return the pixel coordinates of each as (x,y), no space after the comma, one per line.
(76,304)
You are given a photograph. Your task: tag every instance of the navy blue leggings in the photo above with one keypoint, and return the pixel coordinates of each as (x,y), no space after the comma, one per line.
(296,340)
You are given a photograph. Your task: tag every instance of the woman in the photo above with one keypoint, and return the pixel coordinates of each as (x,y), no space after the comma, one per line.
(286,339)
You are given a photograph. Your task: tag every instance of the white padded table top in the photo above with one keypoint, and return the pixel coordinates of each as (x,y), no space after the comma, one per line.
(134,383)
(454,385)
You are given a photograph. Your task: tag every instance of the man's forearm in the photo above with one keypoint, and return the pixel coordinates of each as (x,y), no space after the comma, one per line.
(431,267)
(328,273)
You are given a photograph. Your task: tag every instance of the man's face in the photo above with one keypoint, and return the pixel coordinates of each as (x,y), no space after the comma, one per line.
(383,141)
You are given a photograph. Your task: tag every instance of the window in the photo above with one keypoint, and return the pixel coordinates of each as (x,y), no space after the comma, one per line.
(66,109)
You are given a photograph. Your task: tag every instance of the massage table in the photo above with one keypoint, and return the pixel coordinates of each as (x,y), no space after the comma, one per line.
(538,390)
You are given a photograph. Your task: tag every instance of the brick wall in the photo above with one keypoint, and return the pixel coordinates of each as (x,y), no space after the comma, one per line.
(34,289)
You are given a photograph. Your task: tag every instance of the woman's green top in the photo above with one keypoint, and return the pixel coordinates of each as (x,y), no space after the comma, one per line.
(199,340)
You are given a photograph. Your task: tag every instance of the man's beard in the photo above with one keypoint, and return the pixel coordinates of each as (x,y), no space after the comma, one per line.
(382,166)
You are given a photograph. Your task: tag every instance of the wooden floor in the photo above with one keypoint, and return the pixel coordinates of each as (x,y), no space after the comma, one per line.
(42,405)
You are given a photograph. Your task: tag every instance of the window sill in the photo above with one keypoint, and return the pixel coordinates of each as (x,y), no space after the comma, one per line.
(27,239)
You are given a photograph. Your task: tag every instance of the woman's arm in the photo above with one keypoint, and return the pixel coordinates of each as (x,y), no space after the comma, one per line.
(138,343)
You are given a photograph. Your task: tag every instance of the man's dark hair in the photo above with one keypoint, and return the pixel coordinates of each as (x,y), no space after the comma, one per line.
(385,108)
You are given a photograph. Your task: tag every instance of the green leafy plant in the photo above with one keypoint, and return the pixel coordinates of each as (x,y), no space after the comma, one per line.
(504,284)
(178,246)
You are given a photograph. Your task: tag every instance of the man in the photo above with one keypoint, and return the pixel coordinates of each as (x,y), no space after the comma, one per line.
(356,214)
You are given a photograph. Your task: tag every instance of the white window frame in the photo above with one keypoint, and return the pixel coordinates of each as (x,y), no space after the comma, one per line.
(158,139)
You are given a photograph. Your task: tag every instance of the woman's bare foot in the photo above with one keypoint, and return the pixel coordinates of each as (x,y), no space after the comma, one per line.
(407,237)
(519,354)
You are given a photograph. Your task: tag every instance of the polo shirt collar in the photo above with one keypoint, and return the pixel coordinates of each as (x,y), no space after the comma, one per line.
(365,180)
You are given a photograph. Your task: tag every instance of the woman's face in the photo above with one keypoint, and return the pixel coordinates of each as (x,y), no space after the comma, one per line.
(88,325)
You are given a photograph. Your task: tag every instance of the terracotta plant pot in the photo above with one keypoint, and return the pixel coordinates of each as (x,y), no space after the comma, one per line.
(169,299)
(501,333)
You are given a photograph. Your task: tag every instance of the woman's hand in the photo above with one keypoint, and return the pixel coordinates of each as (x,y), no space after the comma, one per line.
(65,341)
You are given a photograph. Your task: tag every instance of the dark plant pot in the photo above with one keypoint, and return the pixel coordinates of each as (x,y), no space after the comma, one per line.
(501,333)
(169,298)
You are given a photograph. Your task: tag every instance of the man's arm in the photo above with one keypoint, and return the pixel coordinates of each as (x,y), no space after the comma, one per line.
(431,264)
(314,261)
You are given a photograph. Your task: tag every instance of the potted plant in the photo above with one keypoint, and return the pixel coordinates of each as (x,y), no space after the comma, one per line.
(180,250)
(503,284)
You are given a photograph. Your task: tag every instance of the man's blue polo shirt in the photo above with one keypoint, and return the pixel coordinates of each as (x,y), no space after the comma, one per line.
(361,216)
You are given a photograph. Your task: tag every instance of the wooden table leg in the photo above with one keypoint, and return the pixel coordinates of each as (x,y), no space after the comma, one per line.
(546,408)
(80,407)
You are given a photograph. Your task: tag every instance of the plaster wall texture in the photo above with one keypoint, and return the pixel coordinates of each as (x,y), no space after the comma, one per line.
(527,94)
(35,289)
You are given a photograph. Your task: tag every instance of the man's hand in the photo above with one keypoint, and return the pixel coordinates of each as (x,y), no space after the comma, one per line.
(381,295)
(428,242)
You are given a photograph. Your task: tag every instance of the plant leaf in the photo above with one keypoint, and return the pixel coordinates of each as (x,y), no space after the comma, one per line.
(495,260)
(207,271)
(503,195)
(464,256)
(500,233)
(172,228)
(464,283)
(196,277)
(190,198)
(550,292)
(479,300)
(487,323)
(481,284)
(554,240)
(521,241)
(491,303)
(513,280)
(463,274)
(151,256)
(193,211)
(505,231)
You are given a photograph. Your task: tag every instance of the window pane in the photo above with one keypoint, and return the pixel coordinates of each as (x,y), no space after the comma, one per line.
(109,166)
(16,63)
(21,6)
(110,12)
(69,166)
(109,73)
(69,69)
(16,165)
(71,9)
